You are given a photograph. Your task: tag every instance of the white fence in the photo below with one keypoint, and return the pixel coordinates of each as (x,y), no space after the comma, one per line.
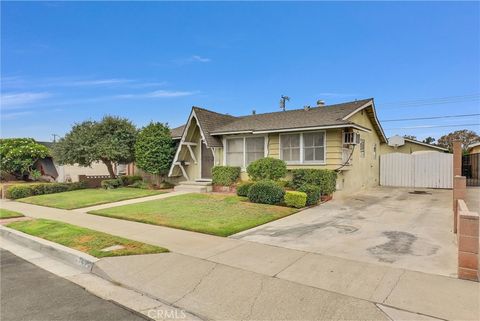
(431,169)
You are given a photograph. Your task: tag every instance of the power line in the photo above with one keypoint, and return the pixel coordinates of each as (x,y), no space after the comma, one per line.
(432,101)
(433,126)
(432,117)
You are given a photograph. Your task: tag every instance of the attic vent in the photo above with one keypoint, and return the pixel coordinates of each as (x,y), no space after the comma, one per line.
(351,138)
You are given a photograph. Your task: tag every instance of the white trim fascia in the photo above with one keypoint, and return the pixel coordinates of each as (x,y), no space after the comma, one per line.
(425,144)
(357,110)
(471,145)
(302,129)
(182,140)
(368,104)
(192,154)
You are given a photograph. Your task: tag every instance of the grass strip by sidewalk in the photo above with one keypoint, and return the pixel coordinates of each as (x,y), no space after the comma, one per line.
(221,215)
(88,197)
(83,239)
(9,214)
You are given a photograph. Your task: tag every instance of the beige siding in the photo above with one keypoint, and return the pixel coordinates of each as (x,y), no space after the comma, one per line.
(71,172)
(193,170)
(474,150)
(273,146)
(364,171)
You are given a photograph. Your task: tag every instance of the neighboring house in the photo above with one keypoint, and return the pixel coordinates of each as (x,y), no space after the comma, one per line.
(399,144)
(347,138)
(473,148)
(67,173)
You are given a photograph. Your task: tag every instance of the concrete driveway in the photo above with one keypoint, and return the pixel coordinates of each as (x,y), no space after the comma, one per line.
(392,226)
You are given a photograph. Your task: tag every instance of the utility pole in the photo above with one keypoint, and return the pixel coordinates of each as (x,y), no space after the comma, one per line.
(283,99)
(55,137)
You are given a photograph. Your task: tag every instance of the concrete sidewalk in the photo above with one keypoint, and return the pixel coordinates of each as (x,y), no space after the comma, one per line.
(131,201)
(222,278)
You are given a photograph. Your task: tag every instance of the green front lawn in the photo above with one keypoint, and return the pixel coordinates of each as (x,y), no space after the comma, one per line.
(83,239)
(88,197)
(206,213)
(9,214)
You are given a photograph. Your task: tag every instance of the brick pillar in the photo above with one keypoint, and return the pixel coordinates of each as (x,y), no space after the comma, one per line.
(457,158)
(459,192)
(468,243)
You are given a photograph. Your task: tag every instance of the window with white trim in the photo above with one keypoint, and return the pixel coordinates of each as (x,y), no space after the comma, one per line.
(234,150)
(290,147)
(362,148)
(308,147)
(255,149)
(242,151)
(314,147)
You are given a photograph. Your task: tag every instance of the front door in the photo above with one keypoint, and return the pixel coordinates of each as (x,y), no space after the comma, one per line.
(207,162)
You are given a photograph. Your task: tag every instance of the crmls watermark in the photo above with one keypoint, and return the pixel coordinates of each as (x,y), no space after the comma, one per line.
(166,314)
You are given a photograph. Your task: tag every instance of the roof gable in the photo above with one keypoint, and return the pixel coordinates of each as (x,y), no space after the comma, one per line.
(208,121)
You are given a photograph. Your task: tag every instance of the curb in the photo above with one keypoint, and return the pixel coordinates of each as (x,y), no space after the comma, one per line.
(70,256)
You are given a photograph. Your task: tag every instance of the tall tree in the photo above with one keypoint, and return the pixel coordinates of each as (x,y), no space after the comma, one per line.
(154,149)
(467,137)
(18,155)
(429,140)
(111,141)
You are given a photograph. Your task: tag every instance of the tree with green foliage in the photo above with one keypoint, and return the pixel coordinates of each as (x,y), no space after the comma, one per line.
(154,149)
(429,140)
(110,141)
(467,137)
(18,155)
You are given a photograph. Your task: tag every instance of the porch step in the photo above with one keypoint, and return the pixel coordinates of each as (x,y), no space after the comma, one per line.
(194,187)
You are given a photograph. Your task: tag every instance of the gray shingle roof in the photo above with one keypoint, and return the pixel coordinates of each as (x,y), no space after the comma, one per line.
(291,119)
(210,120)
(177,132)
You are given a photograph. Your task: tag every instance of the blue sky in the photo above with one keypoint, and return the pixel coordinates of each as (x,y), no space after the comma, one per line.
(67,62)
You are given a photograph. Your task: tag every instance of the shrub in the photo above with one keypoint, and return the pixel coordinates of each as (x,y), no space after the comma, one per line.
(265,192)
(128,180)
(295,199)
(111,183)
(313,193)
(18,191)
(140,184)
(166,185)
(242,189)
(225,175)
(267,168)
(324,178)
(25,190)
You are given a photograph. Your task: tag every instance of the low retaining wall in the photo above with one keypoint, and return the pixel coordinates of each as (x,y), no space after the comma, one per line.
(93,181)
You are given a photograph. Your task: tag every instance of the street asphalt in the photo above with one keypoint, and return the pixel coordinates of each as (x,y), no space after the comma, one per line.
(31,293)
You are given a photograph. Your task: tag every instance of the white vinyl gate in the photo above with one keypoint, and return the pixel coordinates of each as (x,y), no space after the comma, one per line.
(431,169)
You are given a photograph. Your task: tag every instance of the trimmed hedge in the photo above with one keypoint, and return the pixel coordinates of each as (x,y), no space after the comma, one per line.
(295,199)
(324,178)
(128,180)
(225,175)
(267,168)
(26,190)
(266,192)
(313,193)
(242,189)
(112,183)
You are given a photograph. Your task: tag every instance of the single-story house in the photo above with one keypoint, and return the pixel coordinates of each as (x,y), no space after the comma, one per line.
(346,137)
(399,144)
(67,173)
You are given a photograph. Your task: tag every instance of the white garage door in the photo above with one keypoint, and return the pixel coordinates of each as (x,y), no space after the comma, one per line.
(428,169)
